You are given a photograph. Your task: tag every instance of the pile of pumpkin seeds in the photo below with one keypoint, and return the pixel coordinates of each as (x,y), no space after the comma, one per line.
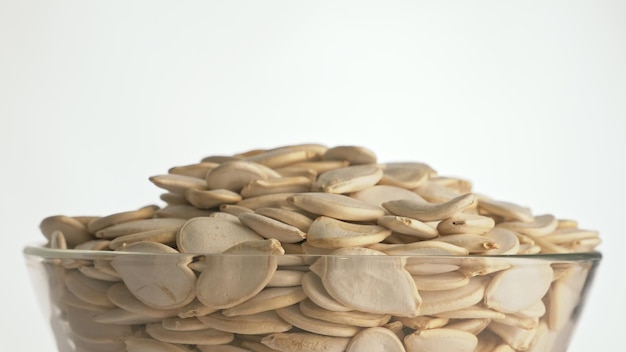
(306,248)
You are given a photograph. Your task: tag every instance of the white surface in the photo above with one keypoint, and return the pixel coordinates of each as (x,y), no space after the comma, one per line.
(525,99)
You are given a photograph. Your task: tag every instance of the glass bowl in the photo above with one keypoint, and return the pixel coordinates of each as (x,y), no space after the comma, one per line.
(354,301)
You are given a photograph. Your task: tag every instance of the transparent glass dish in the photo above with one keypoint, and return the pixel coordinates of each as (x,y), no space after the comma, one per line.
(122,301)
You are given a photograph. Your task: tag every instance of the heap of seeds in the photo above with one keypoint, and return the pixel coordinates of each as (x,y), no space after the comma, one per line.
(329,204)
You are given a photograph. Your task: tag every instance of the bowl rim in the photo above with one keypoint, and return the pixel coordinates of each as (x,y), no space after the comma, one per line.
(52,253)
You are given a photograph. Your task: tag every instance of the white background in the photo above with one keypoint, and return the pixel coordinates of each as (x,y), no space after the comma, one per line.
(527,99)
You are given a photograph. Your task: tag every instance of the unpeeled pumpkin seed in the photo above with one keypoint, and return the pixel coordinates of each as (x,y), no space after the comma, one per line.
(266,322)
(212,235)
(234,175)
(443,339)
(379,194)
(375,339)
(327,232)
(348,179)
(429,212)
(162,282)
(353,154)
(305,342)
(336,205)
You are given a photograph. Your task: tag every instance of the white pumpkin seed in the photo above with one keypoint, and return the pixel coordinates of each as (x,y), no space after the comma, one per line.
(465,223)
(348,179)
(293,184)
(234,175)
(337,206)
(207,199)
(436,340)
(408,226)
(504,293)
(375,339)
(268,299)
(354,318)
(305,342)
(212,235)
(435,302)
(379,194)
(270,228)
(207,336)
(294,316)
(327,232)
(355,155)
(429,212)
(266,322)
(177,184)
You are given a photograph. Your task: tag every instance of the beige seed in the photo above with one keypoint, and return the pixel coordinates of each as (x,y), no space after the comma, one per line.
(88,289)
(487,341)
(73,230)
(283,157)
(473,243)
(504,348)
(212,235)
(142,344)
(289,217)
(379,194)
(198,170)
(291,171)
(294,316)
(506,242)
(234,209)
(520,322)
(541,225)
(337,206)
(118,316)
(159,281)
(268,299)
(435,192)
(275,200)
(473,326)
(295,184)
(118,218)
(174,199)
(446,281)
(535,279)
(429,212)
(564,296)
(472,312)
(166,235)
(518,338)
(207,199)
(220,159)
(57,240)
(422,322)
(195,309)
(234,175)
(326,232)
(236,284)
(86,345)
(286,278)
(408,226)
(453,183)
(426,248)
(465,223)
(437,340)
(121,296)
(396,292)
(253,324)
(434,302)
(535,310)
(429,268)
(136,226)
(507,210)
(565,236)
(197,337)
(177,184)
(315,291)
(94,245)
(354,318)
(353,154)
(406,175)
(348,179)
(182,211)
(304,342)
(375,340)
(220,348)
(81,323)
(321,166)
(270,228)
(97,274)
(252,346)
